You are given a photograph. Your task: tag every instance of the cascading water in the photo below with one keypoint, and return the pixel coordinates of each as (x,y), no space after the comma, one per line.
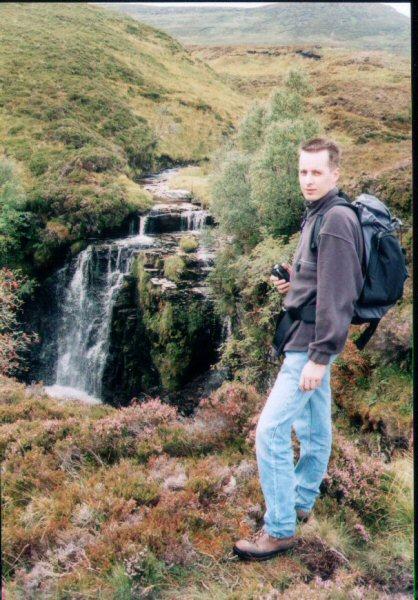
(93,284)
(195,219)
(83,333)
(226,329)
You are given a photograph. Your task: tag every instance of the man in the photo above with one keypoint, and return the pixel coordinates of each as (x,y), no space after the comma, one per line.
(330,277)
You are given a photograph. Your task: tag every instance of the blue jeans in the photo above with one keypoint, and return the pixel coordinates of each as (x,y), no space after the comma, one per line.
(287,487)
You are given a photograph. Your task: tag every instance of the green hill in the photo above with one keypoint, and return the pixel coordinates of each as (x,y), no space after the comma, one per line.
(89,101)
(366,26)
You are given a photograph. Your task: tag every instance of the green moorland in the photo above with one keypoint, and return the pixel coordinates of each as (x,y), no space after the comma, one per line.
(361,98)
(89,101)
(371,26)
(142,502)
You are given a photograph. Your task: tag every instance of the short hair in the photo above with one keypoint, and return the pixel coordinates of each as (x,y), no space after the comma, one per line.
(318,144)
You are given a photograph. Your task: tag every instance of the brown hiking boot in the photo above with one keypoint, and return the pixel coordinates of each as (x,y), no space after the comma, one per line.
(262,546)
(302,516)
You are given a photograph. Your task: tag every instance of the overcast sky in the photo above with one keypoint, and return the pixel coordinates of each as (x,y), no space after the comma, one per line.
(402,7)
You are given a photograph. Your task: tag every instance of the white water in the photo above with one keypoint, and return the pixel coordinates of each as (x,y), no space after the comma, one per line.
(195,218)
(83,335)
(86,313)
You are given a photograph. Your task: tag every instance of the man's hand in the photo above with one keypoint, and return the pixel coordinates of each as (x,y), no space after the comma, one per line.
(282,285)
(311,376)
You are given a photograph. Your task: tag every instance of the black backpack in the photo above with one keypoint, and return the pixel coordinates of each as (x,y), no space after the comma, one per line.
(384,261)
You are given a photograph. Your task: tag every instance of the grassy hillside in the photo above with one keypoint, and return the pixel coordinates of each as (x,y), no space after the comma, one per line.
(366,26)
(90,100)
(363,99)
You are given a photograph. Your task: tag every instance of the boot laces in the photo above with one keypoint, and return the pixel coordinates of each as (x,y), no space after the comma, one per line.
(258,534)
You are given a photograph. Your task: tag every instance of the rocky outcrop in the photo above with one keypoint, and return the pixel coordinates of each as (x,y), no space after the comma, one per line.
(132,316)
(179,319)
(165,218)
(392,341)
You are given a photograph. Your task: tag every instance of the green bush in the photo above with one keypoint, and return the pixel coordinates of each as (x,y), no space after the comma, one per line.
(231,201)
(257,202)
(256,189)
(17,225)
(189,243)
(250,133)
(174,267)
(242,291)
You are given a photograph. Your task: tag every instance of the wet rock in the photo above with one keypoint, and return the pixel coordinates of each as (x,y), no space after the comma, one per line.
(164,283)
(392,341)
(165,218)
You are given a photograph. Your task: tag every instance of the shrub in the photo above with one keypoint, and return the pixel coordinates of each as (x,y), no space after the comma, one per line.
(16,224)
(125,481)
(243,293)
(189,243)
(359,483)
(251,130)
(257,190)
(233,401)
(174,267)
(13,341)
(231,201)
(95,159)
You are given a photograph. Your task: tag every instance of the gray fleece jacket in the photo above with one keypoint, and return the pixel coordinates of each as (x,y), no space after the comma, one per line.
(331,277)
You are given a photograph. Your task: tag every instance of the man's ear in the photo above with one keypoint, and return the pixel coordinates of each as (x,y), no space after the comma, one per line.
(337,174)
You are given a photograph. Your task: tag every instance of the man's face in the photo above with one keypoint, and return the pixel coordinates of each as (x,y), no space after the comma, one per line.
(315,176)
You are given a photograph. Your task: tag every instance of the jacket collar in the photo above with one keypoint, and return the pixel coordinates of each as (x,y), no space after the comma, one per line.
(314,206)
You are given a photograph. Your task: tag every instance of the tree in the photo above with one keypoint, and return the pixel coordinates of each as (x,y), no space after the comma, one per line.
(231,203)
(255,189)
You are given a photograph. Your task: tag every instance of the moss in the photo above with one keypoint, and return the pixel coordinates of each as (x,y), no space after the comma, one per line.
(177,335)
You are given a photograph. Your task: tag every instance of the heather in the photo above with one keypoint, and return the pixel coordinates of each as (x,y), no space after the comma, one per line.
(143,502)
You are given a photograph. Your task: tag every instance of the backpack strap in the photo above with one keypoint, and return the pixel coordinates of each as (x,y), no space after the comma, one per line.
(367,333)
(318,223)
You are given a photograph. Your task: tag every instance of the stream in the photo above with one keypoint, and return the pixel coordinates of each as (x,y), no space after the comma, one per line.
(87,288)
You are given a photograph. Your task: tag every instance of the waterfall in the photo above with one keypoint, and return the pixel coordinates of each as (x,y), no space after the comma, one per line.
(142,224)
(86,314)
(226,329)
(74,353)
(195,219)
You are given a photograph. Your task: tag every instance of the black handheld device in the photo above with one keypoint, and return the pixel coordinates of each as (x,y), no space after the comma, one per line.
(280,272)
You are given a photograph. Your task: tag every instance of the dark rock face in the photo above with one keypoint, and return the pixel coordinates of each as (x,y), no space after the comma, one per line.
(129,369)
(309,54)
(40,316)
(392,341)
(162,334)
(167,222)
